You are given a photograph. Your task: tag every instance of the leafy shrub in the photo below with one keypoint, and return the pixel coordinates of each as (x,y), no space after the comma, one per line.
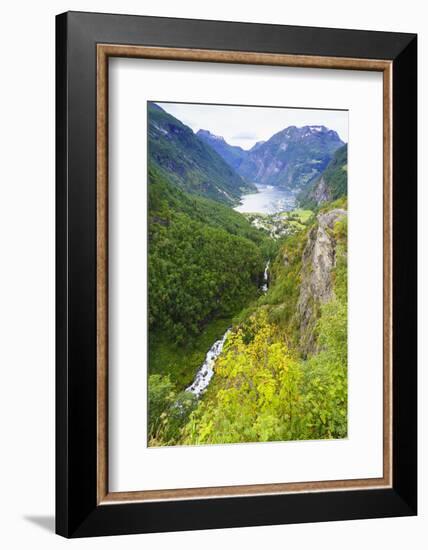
(161,395)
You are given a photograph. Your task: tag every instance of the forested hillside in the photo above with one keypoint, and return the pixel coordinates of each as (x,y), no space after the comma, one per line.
(205,260)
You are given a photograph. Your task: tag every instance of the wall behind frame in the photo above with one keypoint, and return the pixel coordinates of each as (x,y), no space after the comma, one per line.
(27,273)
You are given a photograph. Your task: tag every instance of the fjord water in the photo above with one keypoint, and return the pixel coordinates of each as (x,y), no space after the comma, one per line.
(268,200)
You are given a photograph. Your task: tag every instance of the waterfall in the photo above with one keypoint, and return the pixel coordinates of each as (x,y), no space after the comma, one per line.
(265,284)
(206,371)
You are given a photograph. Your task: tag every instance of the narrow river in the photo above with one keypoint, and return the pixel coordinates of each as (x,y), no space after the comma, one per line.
(206,371)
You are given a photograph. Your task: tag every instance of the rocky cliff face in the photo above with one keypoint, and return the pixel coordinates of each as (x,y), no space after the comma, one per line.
(318,262)
(321,192)
(331,184)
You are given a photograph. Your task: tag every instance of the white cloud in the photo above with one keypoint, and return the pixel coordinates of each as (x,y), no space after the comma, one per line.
(244,126)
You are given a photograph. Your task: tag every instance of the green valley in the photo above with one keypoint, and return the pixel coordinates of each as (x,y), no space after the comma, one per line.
(247,312)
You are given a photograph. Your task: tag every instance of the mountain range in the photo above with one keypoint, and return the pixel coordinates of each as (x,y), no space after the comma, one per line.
(292,158)
(205,164)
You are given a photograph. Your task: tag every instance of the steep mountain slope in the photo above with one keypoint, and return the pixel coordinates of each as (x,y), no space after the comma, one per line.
(188,162)
(166,200)
(331,185)
(205,259)
(231,154)
(319,261)
(291,158)
(257,145)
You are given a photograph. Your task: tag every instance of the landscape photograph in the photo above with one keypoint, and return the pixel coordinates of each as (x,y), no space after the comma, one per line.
(247,274)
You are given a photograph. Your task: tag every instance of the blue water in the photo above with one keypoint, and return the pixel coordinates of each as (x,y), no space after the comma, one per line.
(268,200)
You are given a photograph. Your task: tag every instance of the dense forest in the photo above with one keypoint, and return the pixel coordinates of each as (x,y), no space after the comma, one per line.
(273,287)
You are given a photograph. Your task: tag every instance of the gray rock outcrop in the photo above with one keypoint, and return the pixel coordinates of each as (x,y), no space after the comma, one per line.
(320,192)
(318,262)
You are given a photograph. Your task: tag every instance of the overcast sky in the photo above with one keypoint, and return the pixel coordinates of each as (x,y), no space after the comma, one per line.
(244,126)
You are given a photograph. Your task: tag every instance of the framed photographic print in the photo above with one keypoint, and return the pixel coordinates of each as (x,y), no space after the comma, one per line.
(236,274)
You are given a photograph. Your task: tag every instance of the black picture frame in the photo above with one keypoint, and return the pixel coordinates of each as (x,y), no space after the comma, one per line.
(77,511)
